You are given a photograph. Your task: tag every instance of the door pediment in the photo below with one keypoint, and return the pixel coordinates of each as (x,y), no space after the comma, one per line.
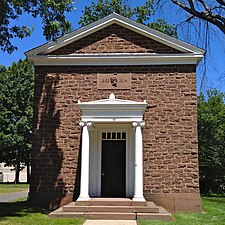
(112,110)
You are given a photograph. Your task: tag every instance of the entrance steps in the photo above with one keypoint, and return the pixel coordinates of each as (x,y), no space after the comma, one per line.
(112,209)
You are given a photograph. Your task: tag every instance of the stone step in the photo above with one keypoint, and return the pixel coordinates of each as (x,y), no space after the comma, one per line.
(161,215)
(125,209)
(93,215)
(110,202)
(114,209)
(110,216)
(106,202)
(150,208)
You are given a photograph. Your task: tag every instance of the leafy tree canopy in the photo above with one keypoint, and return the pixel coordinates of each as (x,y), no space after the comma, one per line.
(51,12)
(211,130)
(16,112)
(141,14)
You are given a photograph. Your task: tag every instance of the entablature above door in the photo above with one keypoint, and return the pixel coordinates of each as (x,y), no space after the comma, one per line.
(112,110)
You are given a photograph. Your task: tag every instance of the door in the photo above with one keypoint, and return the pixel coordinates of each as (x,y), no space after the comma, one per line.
(113,176)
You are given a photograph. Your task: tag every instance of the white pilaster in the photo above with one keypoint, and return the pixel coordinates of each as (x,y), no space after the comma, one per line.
(84,180)
(138,179)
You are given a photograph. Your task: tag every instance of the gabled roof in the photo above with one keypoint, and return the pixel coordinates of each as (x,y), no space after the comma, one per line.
(43,50)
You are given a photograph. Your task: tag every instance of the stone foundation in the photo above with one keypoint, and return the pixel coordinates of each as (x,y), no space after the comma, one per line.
(177,202)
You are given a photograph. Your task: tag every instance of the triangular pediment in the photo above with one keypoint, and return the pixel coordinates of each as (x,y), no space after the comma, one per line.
(112,100)
(114,39)
(123,22)
(99,42)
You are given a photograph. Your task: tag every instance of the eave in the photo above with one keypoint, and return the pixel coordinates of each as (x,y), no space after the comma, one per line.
(115,59)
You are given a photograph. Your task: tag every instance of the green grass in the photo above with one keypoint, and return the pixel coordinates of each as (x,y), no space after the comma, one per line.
(214,214)
(19,213)
(8,188)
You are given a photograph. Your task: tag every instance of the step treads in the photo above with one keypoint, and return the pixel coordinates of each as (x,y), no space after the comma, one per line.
(114,209)
(110,216)
(104,208)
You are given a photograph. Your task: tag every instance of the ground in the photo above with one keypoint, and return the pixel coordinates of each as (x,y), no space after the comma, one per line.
(19,213)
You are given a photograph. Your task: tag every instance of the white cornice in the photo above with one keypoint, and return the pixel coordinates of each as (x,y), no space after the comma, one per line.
(112,110)
(122,21)
(116,59)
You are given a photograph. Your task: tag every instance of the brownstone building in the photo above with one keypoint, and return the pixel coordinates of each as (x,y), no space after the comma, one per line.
(115,116)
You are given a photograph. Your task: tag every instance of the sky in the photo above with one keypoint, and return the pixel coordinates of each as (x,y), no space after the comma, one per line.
(215,61)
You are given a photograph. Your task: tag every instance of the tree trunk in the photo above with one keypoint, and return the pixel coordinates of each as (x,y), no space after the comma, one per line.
(28,173)
(17,173)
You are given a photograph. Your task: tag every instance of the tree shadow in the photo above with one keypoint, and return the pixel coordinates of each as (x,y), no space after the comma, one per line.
(78,174)
(18,209)
(46,187)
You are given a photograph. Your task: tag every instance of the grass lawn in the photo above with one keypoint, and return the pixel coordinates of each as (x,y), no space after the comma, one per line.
(18,213)
(8,188)
(214,214)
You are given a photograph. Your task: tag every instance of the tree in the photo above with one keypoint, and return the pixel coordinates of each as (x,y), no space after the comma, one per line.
(51,12)
(199,20)
(16,112)
(211,131)
(209,11)
(141,14)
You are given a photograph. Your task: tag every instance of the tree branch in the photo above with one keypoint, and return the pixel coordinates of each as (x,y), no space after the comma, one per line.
(221,2)
(207,15)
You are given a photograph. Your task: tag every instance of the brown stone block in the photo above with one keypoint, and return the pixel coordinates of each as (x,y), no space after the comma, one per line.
(188,204)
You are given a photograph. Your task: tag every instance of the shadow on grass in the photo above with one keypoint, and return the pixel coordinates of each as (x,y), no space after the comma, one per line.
(19,209)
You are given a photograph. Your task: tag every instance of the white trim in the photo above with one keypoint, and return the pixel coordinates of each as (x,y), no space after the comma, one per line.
(126,127)
(138,149)
(120,20)
(116,110)
(109,111)
(85,152)
(136,59)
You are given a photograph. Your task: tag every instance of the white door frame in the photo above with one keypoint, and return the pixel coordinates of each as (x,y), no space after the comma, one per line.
(129,154)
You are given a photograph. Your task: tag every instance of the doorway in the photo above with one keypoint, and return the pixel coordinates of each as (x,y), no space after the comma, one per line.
(113,169)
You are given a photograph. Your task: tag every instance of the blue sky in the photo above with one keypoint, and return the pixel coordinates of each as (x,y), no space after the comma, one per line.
(215,60)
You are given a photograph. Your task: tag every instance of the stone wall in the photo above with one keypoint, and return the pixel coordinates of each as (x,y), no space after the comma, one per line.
(115,39)
(169,136)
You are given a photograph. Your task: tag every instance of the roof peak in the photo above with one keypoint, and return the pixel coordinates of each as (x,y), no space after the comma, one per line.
(114,18)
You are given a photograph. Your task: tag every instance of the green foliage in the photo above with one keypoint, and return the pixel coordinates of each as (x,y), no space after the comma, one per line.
(141,14)
(211,129)
(162,26)
(16,112)
(51,13)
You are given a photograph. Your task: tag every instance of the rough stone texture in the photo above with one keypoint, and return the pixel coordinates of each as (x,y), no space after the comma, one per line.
(114,39)
(169,136)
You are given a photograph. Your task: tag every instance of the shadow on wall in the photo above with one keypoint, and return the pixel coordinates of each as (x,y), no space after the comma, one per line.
(47,187)
(76,192)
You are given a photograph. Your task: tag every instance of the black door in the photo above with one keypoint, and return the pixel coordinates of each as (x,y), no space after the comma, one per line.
(113,168)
